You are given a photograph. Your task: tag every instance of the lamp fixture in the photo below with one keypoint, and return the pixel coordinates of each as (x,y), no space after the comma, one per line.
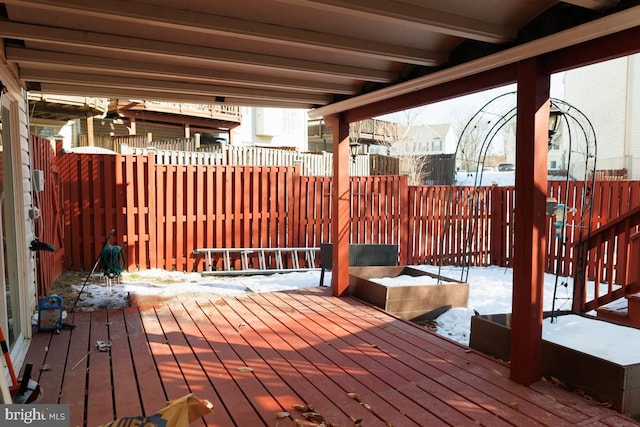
(555,116)
(354,147)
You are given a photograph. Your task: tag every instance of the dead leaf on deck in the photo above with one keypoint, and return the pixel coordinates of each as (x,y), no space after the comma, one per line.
(313,416)
(515,405)
(282,414)
(245,369)
(303,407)
(353,395)
(367,406)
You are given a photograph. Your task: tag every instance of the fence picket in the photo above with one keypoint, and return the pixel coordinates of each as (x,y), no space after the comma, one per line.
(163,212)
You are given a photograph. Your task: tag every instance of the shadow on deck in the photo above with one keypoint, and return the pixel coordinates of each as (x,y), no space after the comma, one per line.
(256,355)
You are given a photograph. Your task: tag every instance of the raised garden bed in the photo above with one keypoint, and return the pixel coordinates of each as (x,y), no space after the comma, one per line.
(420,300)
(606,381)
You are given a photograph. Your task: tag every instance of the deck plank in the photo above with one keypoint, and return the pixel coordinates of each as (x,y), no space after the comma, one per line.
(99,387)
(303,346)
(222,364)
(244,366)
(125,388)
(278,356)
(73,389)
(173,381)
(440,398)
(37,354)
(51,379)
(148,382)
(190,368)
(348,377)
(507,392)
(202,384)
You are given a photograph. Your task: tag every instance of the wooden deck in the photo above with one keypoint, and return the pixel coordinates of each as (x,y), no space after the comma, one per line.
(301,346)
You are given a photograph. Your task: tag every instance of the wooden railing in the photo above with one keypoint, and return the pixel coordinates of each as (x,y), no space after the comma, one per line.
(311,164)
(608,263)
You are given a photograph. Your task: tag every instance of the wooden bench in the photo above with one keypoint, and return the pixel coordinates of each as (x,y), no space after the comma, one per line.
(360,255)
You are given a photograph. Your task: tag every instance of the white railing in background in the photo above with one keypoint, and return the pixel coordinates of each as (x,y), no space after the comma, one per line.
(311,164)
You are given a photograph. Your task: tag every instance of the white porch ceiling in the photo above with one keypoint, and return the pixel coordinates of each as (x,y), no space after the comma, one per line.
(294,53)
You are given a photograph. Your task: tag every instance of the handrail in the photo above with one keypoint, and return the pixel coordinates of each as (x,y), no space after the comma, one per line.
(603,261)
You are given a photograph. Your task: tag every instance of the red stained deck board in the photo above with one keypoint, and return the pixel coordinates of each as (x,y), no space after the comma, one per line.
(391,374)
(99,396)
(222,367)
(147,378)
(190,368)
(37,355)
(304,346)
(75,373)
(291,368)
(125,388)
(239,359)
(481,372)
(204,383)
(347,377)
(51,379)
(173,381)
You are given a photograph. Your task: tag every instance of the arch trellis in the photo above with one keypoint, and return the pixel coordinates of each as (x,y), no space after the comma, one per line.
(570,128)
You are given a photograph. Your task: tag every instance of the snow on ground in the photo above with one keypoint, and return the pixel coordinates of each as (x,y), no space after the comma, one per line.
(490,292)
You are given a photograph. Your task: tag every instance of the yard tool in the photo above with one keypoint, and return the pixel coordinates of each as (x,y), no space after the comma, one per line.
(25,391)
(7,358)
(95,265)
(29,391)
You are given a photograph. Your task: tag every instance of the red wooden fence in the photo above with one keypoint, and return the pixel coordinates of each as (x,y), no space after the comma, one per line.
(48,227)
(164,212)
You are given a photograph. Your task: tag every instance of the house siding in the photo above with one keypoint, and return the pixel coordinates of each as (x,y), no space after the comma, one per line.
(18,200)
(609,95)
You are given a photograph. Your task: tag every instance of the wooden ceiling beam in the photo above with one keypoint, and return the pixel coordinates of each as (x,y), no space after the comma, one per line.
(131,12)
(152,85)
(102,65)
(153,48)
(166,96)
(417,16)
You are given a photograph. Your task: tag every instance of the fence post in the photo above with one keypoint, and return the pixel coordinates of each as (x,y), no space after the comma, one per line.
(152,218)
(404,219)
(497,242)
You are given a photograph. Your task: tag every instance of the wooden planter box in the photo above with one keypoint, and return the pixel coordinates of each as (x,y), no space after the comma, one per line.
(601,379)
(410,302)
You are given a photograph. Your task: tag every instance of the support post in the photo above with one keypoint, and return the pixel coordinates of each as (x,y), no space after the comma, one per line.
(340,205)
(532,138)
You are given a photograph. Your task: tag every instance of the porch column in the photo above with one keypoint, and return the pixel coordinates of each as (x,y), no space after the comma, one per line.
(532,138)
(340,205)
(90,138)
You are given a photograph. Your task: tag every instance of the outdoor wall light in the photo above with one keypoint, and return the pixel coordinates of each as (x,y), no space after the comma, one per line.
(555,117)
(354,147)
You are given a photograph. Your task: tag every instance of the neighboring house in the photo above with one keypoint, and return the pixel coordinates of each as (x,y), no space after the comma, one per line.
(374,136)
(425,139)
(608,93)
(120,117)
(272,127)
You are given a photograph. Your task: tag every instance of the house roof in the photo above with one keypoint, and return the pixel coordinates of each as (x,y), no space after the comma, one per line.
(331,55)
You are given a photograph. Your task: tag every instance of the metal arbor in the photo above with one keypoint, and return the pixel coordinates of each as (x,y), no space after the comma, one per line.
(572,140)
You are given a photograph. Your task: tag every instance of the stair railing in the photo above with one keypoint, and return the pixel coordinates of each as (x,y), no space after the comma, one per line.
(607,263)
